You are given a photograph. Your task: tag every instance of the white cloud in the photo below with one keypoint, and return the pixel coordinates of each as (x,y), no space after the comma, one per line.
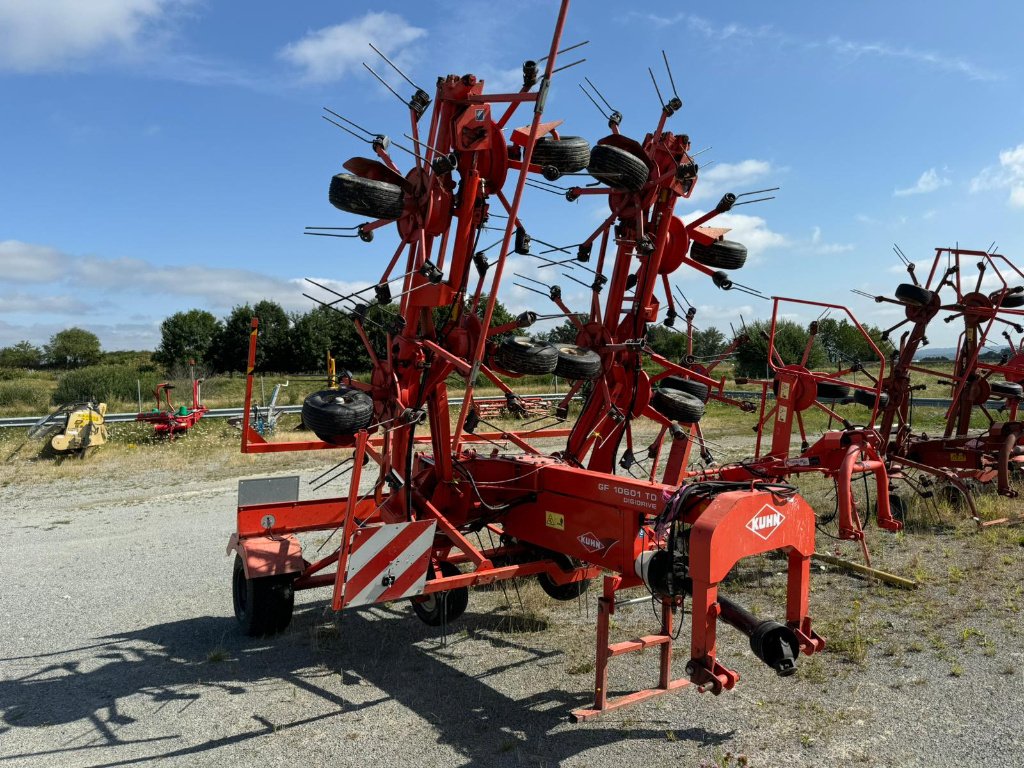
(729,177)
(328,54)
(12,303)
(112,336)
(929,181)
(1009,174)
(28,263)
(820,248)
(751,231)
(41,35)
(838,46)
(219,288)
(854,49)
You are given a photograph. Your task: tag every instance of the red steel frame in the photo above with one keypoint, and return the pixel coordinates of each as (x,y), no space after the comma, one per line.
(544,508)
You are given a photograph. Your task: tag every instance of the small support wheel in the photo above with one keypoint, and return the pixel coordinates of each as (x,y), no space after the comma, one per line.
(567,154)
(721,254)
(440,608)
(953,496)
(569,591)
(526,356)
(677,405)
(898,508)
(695,388)
(617,168)
(366,197)
(826,390)
(914,295)
(867,399)
(336,414)
(1006,389)
(263,606)
(577,363)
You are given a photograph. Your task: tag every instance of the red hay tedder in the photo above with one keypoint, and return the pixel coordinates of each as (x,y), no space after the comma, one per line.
(965,453)
(562,515)
(839,454)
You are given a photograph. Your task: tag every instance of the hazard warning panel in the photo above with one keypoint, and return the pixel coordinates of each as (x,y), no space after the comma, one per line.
(388,562)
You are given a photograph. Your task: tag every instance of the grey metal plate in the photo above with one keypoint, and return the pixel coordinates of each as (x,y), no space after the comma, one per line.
(268,490)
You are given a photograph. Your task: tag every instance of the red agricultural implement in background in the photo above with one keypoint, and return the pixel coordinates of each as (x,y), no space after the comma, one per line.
(839,454)
(417,529)
(982,299)
(167,420)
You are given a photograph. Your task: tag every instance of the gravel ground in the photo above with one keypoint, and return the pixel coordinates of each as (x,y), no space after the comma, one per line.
(118,647)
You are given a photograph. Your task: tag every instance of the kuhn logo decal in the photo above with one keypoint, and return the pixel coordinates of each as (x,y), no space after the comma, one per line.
(766,522)
(595,544)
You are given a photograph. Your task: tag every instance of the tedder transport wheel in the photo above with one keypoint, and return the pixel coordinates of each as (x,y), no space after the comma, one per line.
(863,397)
(366,196)
(442,607)
(568,591)
(829,391)
(523,355)
(617,168)
(1006,388)
(577,363)
(898,507)
(263,606)
(721,254)
(677,405)
(334,414)
(568,154)
(695,388)
(914,295)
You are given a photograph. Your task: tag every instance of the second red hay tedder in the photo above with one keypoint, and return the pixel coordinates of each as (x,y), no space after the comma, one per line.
(427,483)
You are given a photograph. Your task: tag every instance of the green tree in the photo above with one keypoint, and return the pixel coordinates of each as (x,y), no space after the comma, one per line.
(565,332)
(231,347)
(707,343)
(667,342)
(790,341)
(187,336)
(24,354)
(844,343)
(72,348)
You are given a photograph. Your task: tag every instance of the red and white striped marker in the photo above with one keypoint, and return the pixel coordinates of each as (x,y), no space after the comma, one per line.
(388,562)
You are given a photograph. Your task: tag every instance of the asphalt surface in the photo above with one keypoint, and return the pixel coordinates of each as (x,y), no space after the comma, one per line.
(118,647)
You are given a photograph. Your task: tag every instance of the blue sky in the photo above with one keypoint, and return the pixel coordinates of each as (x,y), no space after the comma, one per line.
(159,155)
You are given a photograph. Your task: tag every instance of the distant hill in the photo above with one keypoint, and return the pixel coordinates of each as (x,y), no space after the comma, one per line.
(949,353)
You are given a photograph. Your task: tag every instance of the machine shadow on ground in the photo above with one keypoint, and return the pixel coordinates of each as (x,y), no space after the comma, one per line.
(176,664)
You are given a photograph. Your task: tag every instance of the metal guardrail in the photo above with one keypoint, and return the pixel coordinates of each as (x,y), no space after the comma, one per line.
(227,413)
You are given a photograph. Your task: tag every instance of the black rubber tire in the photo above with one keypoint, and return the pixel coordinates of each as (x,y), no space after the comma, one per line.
(914,295)
(366,197)
(263,606)
(865,398)
(524,355)
(721,254)
(617,168)
(1012,301)
(677,405)
(695,388)
(898,508)
(577,363)
(339,413)
(442,607)
(829,391)
(568,591)
(1006,389)
(953,497)
(568,154)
